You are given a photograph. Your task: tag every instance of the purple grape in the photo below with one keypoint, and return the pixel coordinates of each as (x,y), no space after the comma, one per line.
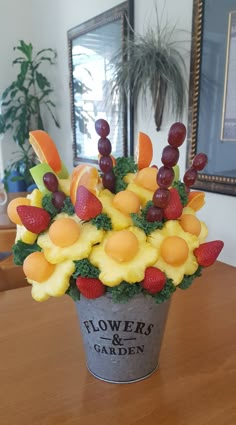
(154,214)
(105,164)
(109,181)
(170,156)
(102,128)
(165,177)
(50,181)
(190,177)
(58,199)
(199,161)
(161,198)
(104,147)
(177,134)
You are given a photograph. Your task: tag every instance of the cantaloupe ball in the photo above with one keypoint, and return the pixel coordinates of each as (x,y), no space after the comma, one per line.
(147,178)
(190,223)
(122,246)
(126,201)
(174,250)
(11,209)
(64,232)
(37,268)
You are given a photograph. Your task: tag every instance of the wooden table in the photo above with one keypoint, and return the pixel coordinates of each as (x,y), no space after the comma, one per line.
(44,380)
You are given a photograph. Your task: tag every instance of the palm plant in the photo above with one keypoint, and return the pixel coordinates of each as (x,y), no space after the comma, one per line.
(23,102)
(152,64)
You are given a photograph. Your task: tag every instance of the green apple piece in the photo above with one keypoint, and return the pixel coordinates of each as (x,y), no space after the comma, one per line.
(63,174)
(37,172)
(176,171)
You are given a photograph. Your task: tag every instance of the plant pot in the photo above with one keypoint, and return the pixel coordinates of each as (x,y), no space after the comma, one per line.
(122,341)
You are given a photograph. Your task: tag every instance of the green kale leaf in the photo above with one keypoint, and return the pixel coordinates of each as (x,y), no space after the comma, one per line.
(73,291)
(21,250)
(124,292)
(165,293)
(85,269)
(48,205)
(102,221)
(123,166)
(182,192)
(189,279)
(68,207)
(141,222)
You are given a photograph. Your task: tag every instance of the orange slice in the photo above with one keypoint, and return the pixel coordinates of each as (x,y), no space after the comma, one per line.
(84,175)
(144,151)
(196,200)
(45,149)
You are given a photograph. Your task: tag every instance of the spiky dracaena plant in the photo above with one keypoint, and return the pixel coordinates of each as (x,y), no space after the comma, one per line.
(152,64)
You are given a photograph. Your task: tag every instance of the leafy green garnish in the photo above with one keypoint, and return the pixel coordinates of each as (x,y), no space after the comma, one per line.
(85,269)
(21,250)
(48,205)
(165,293)
(68,207)
(189,279)
(141,222)
(73,291)
(182,192)
(124,292)
(102,221)
(123,166)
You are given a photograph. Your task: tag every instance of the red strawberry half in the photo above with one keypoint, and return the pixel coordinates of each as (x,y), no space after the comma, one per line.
(90,287)
(208,252)
(87,205)
(34,219)
(174,208)
(154,280)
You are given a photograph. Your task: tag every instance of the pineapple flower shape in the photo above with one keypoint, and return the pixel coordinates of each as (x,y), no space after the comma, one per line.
(56,284)
(123,256)
(175,247)
(203,228)
(68,238)
(118,207)
(143,183)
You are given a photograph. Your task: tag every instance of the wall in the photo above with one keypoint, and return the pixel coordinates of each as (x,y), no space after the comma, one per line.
(47,23)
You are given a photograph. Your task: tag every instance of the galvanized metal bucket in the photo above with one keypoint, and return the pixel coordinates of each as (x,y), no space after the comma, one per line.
(122,341)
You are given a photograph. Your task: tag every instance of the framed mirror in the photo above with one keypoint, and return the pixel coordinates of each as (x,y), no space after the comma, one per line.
(91,47)
(212,100)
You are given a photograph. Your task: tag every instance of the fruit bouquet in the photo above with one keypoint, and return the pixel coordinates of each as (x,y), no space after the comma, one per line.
(124,232)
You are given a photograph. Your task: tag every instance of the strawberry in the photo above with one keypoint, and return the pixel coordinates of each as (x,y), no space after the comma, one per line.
(154,280)
(35,219)
(87,205)
(90,287)
(174,208)
(208,252)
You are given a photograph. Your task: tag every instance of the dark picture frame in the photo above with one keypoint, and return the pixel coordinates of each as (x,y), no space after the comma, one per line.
(210,78)
(91,46)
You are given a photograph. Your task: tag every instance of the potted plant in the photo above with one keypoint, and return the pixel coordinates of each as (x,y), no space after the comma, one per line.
(22,104)
(152,64)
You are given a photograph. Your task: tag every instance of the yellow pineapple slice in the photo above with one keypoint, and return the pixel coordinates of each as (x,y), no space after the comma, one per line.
(119,220)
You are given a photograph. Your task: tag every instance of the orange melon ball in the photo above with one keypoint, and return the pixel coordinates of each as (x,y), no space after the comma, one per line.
(174,250)
(11,209)
(37,268)
(190,223)
(64,232)
(122,246)
(126,201)
(147,178)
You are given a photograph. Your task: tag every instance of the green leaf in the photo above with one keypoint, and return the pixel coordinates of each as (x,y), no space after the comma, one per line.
(123,292)
(85,269)
(189,279)
(42,81)
(182,192)
(26,49)
(102,221)
(73,291)
(21,250)
(48,205)
(165,293)
(141,222)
